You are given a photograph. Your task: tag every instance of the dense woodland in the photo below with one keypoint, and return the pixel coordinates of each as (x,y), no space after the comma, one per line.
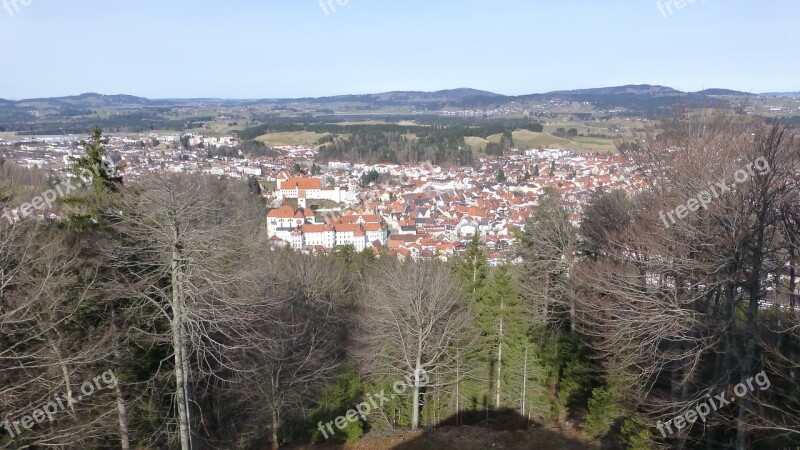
(442,142)
(217,342)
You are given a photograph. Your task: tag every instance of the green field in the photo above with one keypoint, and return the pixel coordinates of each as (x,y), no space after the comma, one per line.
(309,138)
(476,143)
(526,139)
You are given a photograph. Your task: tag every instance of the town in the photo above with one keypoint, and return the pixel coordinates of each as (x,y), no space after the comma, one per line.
(417,211)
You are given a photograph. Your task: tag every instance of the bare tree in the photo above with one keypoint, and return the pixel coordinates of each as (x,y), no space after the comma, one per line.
(47,351)
(300,338)
(676,305)
(548,247)
(414,321)
(179,252)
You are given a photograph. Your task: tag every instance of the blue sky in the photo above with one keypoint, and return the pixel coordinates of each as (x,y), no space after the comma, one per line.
(291,48)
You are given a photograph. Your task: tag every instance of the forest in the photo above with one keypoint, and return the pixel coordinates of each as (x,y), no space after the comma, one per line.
(438,141)
(162,295)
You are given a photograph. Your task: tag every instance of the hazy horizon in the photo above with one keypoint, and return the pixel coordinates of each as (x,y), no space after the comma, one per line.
(291,49)
(363,93)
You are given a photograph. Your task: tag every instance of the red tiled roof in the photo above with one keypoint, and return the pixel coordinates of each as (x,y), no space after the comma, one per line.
(284,212)
(302,183)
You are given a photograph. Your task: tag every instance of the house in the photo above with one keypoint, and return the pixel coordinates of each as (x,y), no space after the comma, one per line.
(309,189)
(298,227)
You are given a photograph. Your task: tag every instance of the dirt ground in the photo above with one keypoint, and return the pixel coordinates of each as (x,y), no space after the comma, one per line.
(465,438)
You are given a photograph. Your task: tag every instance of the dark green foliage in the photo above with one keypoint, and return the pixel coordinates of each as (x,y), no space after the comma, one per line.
(253,186)
(96,162)
(368,179)
(89,208)
(606,213)
(344,393)
(501,176)
(604,410)
(440,143)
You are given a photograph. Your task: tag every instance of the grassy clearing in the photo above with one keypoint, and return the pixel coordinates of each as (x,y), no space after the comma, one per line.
(363,122)
(530,139)
(549,128)
(476,143)
(292,138)
(589,144)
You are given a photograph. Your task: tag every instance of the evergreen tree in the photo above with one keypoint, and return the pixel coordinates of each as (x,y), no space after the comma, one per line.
(88,207)
(473,267)
(476,388)
(501,176)
(548,248)
(253,186)
(504,325)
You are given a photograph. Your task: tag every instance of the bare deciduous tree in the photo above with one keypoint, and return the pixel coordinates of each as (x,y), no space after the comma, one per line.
(180,250)
(414,320)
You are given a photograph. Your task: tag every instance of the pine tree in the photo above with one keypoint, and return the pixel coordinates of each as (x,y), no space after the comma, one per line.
(104,175)
(87,208)
(548,246)
(473,267)
(502,319)
(475,389)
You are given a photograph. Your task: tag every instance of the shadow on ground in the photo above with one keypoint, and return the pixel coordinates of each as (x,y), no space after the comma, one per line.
(500,430)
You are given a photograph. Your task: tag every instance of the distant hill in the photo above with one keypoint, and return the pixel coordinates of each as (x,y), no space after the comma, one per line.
(635,89)
(88,100)
(642,96)
(636,99)
(77,112)
(781,94)
(723,92)
(450,94)
(425,100)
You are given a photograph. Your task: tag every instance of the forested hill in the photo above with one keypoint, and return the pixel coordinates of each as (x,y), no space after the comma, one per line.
(440,144)
(79,113)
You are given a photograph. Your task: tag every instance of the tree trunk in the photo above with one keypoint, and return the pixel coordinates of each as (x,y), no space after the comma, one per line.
(122,412)
(458,383)
(67,380)
(499,359)
(122,409)
(178,346)
(571,293)
(524,381)
(187,390)
(415,402)
(275,426)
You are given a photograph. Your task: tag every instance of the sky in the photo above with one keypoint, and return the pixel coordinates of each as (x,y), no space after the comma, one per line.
(297,48)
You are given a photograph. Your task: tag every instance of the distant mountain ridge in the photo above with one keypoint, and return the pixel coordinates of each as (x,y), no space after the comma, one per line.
(89,99)
(781,94)
(641,98)
(638,89)
(94,99)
